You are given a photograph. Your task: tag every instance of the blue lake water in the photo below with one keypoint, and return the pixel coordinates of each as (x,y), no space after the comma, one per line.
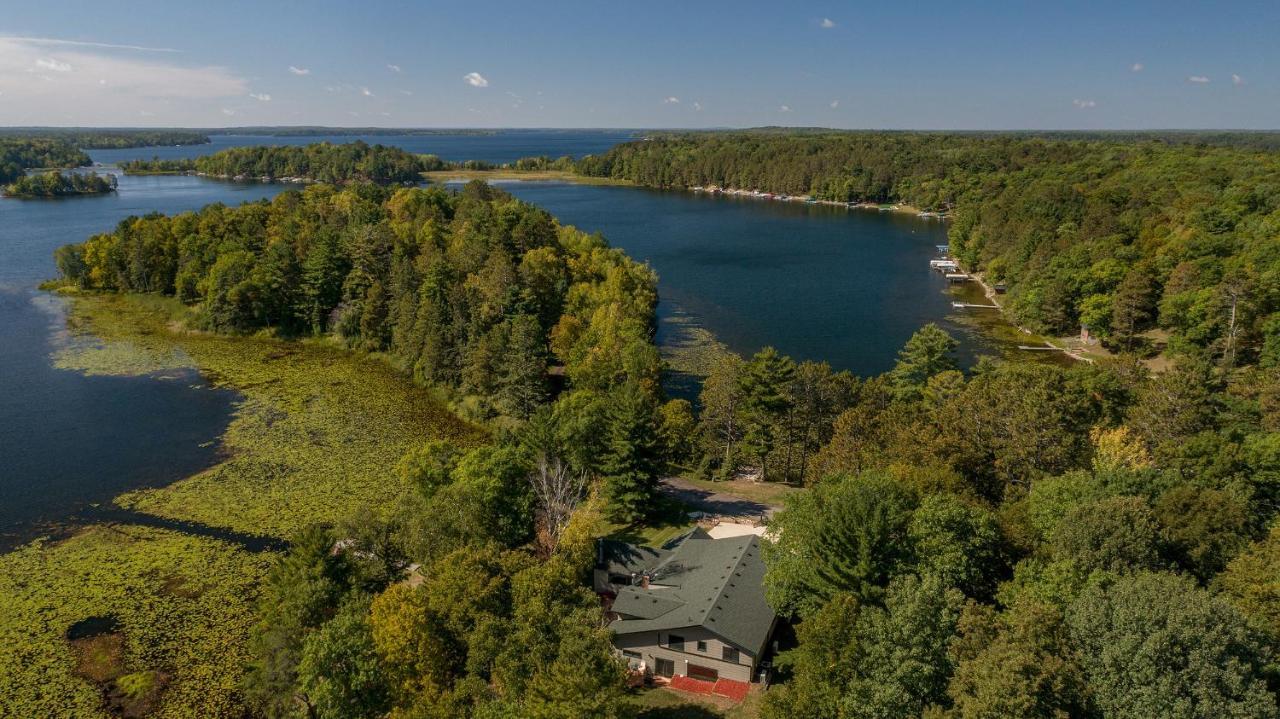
(817,282)
(502,146)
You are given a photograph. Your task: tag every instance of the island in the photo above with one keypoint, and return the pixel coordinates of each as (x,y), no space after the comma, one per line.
(61,184)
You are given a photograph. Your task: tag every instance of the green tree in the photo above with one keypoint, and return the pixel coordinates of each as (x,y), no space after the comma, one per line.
(847,534)
(1016,664)
(340,672)
(930,351)
(633,454)
(1154,644)
(1203,528)
(1117,534)
(764,384)
(958,542)
(1252,582)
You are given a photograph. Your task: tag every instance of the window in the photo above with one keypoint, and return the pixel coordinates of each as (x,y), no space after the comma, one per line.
(730,654)
(664,667)
(702,647)
(676,642)
(633,658)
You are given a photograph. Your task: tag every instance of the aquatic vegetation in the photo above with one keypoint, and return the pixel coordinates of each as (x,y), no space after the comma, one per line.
(195,637)
(317,433)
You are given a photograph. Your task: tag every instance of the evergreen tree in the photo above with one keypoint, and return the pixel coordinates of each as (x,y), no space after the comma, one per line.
(633,453)
(523,383)
(930,351)
(765,384)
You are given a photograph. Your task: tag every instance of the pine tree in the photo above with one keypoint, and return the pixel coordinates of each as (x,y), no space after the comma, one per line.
(765,385)
(633,453)
(929,352)
(523,384)
(1133,305)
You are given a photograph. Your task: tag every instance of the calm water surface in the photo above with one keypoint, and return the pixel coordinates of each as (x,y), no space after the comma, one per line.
(68,440)
(503,146)
(817,282)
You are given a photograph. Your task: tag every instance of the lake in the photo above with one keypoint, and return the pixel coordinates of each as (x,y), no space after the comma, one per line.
(817,282)
(500,147)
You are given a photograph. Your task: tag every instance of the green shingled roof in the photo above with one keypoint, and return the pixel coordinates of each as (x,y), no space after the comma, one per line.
(717,584)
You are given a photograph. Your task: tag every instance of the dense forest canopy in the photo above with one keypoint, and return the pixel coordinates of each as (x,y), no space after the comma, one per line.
(20,154)
(61,184)
(1120,237)
(474,290)
(320,162)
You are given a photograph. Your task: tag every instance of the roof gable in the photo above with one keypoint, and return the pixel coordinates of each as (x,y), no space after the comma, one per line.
(716,584)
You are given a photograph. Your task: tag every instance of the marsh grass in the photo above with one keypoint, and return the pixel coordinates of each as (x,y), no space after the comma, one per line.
(316,434)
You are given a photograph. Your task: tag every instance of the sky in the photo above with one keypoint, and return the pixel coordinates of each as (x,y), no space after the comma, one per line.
(652,64)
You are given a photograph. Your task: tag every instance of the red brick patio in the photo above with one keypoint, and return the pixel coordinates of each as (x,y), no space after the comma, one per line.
(727,688)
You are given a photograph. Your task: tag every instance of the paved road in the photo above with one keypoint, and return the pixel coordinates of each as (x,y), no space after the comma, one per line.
(721,503)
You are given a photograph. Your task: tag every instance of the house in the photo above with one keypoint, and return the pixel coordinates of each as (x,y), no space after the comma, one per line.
(693,608)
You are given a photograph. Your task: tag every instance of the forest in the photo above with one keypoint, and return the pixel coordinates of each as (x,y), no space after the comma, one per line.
(17,155)
(101,138)
(319,162)
(1014,539)
(1146,243)
(61,184)
(1021,539)
(540,331)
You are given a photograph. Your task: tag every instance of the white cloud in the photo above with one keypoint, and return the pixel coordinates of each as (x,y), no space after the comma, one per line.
(299,70)
(671,100)
(1198,79)
(1137,67)
(475,79)
(1236,79)
(228,112)
(393,68)
(784,108)
(366,92)
(405,92)
(835,104)
(697,106)
(54,65)
(102,84)
(827,23)
(260,96)
(81,43)
(1084,104)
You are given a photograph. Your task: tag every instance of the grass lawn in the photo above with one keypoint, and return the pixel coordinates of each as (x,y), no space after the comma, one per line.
(669,520)
(663,703)
(315,436)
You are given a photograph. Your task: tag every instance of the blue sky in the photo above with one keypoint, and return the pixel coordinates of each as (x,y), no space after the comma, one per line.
(923,65)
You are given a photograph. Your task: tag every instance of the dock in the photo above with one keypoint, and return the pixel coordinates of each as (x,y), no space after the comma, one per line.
(957,277)
(967,305)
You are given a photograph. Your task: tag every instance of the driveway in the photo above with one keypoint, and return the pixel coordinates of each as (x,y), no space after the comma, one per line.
(717,503)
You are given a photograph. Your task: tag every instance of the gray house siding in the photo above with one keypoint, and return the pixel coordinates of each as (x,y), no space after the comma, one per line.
(654,645)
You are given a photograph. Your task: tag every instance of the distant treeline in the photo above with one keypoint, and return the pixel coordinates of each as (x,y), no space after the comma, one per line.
(1120,237)
(20,154)
(320,162)
(1245,139)
(329,162)
(98,139)
(61,184)
(320,131)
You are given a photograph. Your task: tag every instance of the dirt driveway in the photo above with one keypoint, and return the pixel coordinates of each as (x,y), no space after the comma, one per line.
(715,502)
